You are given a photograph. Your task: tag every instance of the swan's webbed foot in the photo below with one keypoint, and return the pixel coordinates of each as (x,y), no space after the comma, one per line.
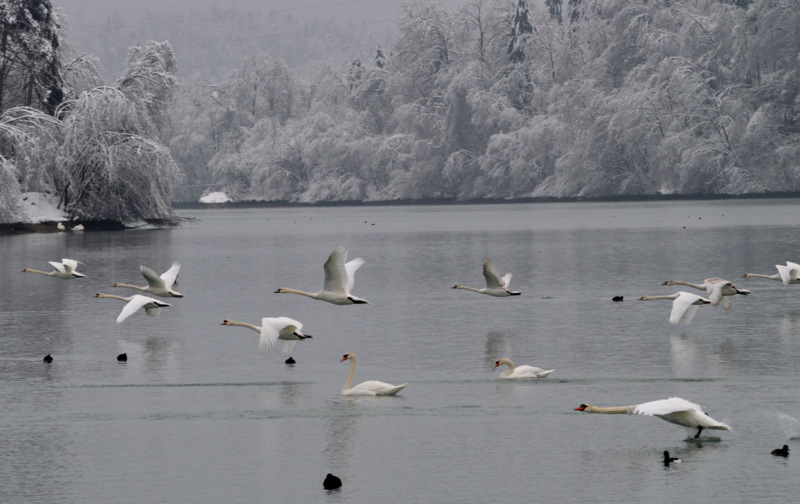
(699,430)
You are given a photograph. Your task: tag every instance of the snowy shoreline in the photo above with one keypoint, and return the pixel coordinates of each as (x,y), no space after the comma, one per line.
(43,216)
(40,214)
(197,205)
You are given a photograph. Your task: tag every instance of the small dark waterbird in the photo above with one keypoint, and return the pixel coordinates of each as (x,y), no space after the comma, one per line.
(123,357)
(668,459)
(290,360)
(48,358)
(781,452)
(332,482)
(617,298)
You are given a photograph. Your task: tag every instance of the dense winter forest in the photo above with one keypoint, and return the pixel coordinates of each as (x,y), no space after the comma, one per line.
(497,99)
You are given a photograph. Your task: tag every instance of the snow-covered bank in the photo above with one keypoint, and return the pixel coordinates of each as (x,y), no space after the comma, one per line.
(215,197)
(39,207)
(40,214)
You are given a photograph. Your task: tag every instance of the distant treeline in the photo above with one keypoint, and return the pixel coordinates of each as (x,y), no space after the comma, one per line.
(586,99)
(493,101)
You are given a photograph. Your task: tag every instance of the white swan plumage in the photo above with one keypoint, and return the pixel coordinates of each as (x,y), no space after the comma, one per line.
(339,280)
(64,269)
(684,305)
(157,285)
(673,409)
(523,371)
(495,284)
(789,274)
(151,306)
(719,290)
(367,388)
(273,329)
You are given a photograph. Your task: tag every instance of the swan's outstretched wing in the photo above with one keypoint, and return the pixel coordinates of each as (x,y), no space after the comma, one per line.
(59,266)
(493,280)
(153,280)
(351,268)
(288,345)
(681,412)
(506,279)
(270,328)
(665,407)
(70,265)
(789,272)
(139,301)
(335,271)
(286,326)
(684,308)
(171,275)
(714,288)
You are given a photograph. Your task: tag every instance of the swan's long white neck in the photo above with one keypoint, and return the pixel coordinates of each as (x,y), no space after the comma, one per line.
(48,273)
(665,296)
(610,410)
(349,382)
(776,276)
(284,290)
(465,287)
(112,296)
(690,284)
(130,286)
(243,324)
(508,363)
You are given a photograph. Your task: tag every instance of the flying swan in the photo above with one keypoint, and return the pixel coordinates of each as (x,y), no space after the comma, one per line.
(151,306)
(495,284)
(674,410)
(339,280)
(787,274)
(719,290)
(523,371)
(367,388)
(157,285)
(684,306)
(64,269)
(273,329)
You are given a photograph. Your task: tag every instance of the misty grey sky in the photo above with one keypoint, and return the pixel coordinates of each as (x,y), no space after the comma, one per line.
(377,12)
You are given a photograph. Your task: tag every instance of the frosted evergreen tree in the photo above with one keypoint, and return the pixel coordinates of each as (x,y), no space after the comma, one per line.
(30,46)
(380,59)
(520,28)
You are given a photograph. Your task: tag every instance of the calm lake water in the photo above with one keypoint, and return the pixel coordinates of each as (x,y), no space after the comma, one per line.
(196,415)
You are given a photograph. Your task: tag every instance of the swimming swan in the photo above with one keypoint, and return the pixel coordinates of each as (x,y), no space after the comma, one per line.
(339,280)
(157,285)
(273,329)
(65,269)
(787,274)
(151,306)
(674,410)
(523,371)
(495,284)
(367,388)
(719,290)
(684,305)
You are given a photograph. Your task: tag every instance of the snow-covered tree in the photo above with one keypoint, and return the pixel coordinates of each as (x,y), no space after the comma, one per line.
(30,48)
(520,28)
(112,164)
